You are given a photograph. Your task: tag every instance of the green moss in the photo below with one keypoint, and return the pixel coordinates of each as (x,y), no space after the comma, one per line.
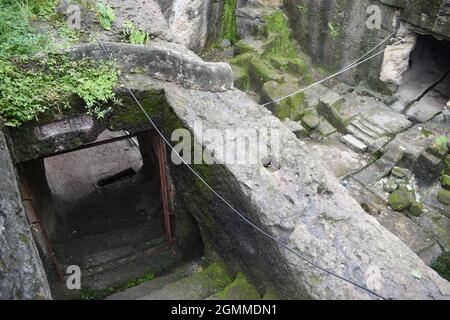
(228,22)
(242,60)
(280,63)
(426,133)
(442,266)
(416,208)
(153,101)
(239,289)
(241,80)
(260,71)
(445,181)
(241,47)
(214,276)
(279,37)
(297,66)
(292,107)
(444,196)
(400,200)
(204,171)
(23,238)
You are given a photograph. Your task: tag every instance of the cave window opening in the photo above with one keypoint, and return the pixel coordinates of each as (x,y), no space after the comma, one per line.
(425,86)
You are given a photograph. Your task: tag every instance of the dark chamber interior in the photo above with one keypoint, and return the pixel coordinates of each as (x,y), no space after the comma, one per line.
(102,209)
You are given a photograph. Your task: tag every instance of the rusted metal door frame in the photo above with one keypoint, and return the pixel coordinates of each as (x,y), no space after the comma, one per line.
(160,149)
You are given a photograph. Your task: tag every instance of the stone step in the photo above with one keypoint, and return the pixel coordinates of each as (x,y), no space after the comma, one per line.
(239,289)
(368,132)
(371,126)
(360,134)
(198,286)
(120,274)
(354,143)
(148,287)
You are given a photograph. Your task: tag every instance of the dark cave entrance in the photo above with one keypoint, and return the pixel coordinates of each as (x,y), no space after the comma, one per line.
(425,88)
(106,209)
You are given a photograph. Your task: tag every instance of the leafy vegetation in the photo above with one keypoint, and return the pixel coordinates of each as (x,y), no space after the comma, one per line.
(106,15)
(33,80)
(134,35)
(32,88)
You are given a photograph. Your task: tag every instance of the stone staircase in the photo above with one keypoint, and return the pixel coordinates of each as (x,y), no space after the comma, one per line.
(192,282)
(373,136)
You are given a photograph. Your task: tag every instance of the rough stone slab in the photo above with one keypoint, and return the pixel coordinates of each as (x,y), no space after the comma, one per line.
(301,203)
(354,143)
(296,128)
(21,270)
(429,106)
(165,61)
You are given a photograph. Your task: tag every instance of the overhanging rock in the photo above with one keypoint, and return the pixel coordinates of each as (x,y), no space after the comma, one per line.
(167,62)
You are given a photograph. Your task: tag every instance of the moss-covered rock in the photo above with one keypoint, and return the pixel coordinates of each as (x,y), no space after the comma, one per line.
(390,185)
(445,181)
(242,60)
(400,200)
(297,66)
(442,266)
(260,72)
(292,107)
(242,47)
(239,289)
(241,80)
(281,63)
(279,35)
(311,120)
(444,197)
(400,172)
(416,208)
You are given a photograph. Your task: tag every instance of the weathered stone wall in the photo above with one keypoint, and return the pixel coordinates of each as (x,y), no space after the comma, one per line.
(334,32)
(21,273)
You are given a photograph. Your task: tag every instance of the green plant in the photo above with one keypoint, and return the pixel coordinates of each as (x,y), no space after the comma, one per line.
(334,32)
(31,84)
(16,36)
(31,88)
(442,141)
(106,15)
(134,35)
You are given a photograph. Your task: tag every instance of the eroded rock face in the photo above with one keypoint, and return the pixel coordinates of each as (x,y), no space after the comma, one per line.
(335,32)
(22,274)
(188,22)
(397,56)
